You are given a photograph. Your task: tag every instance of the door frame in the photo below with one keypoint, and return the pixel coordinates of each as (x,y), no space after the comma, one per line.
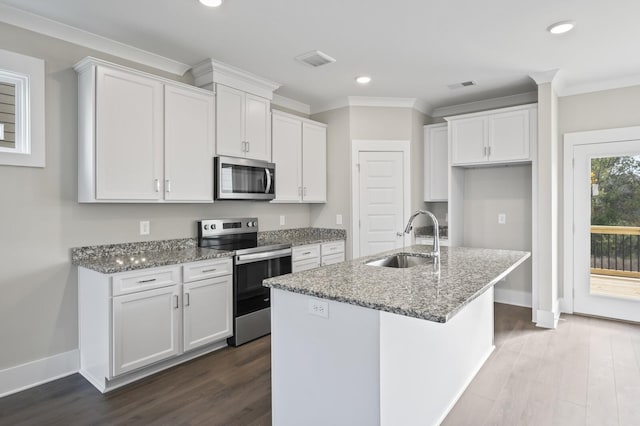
(571,140)
(360,145)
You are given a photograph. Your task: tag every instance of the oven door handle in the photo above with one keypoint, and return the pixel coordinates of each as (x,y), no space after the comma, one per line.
(268,185)
(249,258)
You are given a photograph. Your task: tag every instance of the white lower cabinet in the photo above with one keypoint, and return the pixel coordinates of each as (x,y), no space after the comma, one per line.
(146,328)
(133,324)
(207,312)
(313,256)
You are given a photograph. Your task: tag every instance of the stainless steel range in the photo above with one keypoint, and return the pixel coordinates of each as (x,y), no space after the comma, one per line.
(252,264)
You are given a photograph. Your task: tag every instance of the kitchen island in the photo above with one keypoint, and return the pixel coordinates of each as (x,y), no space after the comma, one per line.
(355,344)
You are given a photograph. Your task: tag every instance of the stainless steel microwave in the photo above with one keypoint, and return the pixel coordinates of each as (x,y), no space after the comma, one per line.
(244,179)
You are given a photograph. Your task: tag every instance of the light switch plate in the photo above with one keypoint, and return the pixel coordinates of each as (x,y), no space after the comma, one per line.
(282,220)
(338,219)
(502,218)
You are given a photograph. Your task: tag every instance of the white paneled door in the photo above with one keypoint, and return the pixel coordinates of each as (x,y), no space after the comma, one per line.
(381,201)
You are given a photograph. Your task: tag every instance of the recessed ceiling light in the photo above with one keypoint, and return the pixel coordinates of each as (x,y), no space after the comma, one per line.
(561,27)
(363,79)
(211,3)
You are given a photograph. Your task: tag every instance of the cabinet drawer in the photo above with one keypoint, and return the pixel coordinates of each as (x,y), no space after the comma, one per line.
(305,252)
(305,265)
(206,269)
(144,279)
(332,258)
(332,247)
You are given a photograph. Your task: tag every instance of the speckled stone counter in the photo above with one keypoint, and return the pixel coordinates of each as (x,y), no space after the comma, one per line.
(301,236)
(114,258)
(424,291)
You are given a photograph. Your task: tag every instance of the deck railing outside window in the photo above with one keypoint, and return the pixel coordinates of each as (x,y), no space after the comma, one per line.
(615,250)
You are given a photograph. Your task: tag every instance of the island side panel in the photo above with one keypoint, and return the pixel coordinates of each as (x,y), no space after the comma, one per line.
(324,371)
(426,366)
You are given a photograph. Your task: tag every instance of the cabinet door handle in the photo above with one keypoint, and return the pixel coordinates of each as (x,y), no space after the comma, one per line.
(488,151)
(304,191)
(157,181)
(150,280)
(176,301)
(248,146)
(167,185)
(187,299)
(266,299)
(306,252)
(299,191)
(209,270)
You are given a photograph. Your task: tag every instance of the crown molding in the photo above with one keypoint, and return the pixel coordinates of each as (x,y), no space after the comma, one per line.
(379,102)
(291,104)
(210,71)
(48,27)
(599,86)
(487,104)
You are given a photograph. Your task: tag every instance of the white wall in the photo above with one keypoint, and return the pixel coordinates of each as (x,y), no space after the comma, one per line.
(40,219)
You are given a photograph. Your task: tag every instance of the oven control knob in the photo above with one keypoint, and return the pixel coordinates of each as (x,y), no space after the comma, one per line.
(249,224)
(206,227)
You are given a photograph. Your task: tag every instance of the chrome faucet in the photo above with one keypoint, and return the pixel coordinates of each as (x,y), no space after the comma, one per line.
(436,230)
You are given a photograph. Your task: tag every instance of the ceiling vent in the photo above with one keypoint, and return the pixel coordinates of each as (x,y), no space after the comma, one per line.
(463,84)
(315,58)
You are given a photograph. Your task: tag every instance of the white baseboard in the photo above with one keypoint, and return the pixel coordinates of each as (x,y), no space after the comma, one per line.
(34,373)
(512,297)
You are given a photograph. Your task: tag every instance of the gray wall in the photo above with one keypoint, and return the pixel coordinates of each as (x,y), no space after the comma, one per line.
(40,219)
(606,109)
(338,174)
(488,192)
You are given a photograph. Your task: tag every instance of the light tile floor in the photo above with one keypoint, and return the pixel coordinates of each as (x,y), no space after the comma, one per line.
(586,372)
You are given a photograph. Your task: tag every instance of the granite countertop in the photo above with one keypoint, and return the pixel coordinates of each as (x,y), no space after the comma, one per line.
(422,291)
(114,258)
(301,236)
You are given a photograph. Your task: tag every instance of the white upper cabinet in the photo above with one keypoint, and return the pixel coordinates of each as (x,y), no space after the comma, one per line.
(244,124)
(287,154)
(230,121)
(189,144)
(128,136)
(257,127)
(436,163)
(300,155)
(314,163)
(142,138)
(498,136)
(243,105)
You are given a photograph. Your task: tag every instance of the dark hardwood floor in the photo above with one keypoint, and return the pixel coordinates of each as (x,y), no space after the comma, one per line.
(228,387)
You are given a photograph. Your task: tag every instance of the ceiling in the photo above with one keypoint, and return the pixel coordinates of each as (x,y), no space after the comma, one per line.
(411,48)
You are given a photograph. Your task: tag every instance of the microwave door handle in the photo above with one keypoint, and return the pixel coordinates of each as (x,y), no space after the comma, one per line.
(268,186)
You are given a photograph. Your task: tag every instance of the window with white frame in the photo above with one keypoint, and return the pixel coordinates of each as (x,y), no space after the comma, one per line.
(21,110)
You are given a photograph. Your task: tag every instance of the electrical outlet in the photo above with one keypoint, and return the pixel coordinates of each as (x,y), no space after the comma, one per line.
(319,308)
(282,221)
(338,219)
(145,227)
(502,218)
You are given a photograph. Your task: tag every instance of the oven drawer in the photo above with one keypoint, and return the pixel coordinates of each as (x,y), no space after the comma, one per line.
(205,269)
(144,279)
(310,251)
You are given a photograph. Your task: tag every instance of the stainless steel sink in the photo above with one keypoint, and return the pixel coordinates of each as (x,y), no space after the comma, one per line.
(401,260)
